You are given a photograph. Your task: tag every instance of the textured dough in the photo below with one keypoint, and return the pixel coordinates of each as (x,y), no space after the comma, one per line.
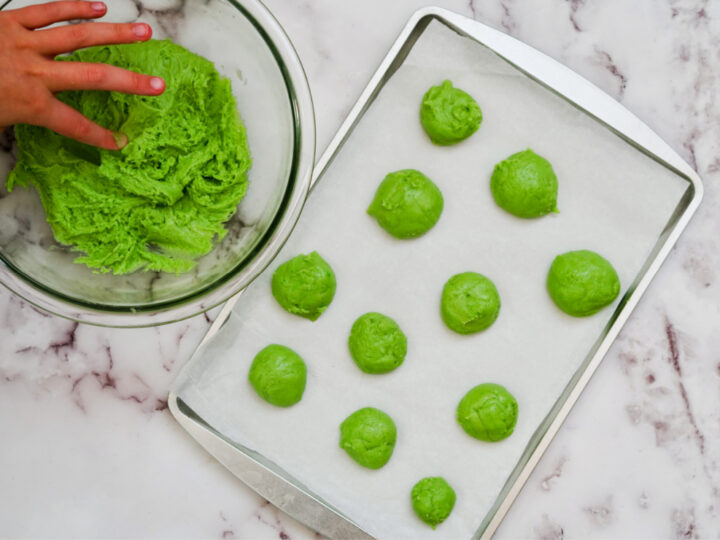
(407,204)
(433,500)
(368,436)
(488,412)
(449,115)
(582,282)
(525,185)
(470,303)
(160,202)
(278,375)
(377,345)
(305,285)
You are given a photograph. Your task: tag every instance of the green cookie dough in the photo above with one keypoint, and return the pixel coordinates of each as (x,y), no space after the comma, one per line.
(407,204)
(278,375)
(488,412)
(305,285)
(368,435)
(449,115)
(470,303)
(433,499)
(581,283)
(525,185)
(377,344)
(160,202)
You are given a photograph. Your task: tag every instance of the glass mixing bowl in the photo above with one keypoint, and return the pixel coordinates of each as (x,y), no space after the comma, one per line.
(249,47)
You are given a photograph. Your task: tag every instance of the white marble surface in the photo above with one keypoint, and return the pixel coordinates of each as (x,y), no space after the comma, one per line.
(89,449)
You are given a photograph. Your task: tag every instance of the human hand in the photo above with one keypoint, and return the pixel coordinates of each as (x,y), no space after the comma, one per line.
(29,75)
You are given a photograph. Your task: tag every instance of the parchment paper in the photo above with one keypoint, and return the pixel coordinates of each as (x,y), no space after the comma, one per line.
(612,199)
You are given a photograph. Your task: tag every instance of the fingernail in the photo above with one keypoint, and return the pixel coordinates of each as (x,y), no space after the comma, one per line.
(156,83)
(120,139)
(98,6)
(141,30)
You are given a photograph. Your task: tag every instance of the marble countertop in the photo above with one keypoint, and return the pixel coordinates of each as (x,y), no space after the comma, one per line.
(90,450)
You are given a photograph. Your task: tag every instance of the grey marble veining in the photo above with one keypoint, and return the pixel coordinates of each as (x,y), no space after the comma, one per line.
(95,453)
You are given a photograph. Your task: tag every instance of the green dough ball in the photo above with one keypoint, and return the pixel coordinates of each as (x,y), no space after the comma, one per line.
(278,375)
(449,115)
(305,285)
(488,412)
(407,204)
(581,283)
(162,201)
(433,499)
(525,185)
(470,303)
(368,436)
(377,344)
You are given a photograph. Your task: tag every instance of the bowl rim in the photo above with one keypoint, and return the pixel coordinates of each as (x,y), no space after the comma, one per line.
(264,250)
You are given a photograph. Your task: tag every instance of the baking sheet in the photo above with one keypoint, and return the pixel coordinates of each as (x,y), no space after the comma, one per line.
(613,199)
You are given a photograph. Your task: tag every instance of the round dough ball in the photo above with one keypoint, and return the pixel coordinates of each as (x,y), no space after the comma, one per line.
(377,345)
(525,185)
(470,303)
(304,285)
(449,115)
(582,282)
(488,412)
(407,204)
(368,435)
(433,499)
(278,375)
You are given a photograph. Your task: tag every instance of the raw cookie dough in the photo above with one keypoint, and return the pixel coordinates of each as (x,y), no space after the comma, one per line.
(368,436)
(449,115)
(433,499)
(278,375)
(160,202)
(470,303)
(305,285)
(377,345)
(488,412)
(525,185)
(582,282)
(407,204)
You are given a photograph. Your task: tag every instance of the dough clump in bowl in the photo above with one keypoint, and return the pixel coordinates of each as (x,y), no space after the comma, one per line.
(162,201)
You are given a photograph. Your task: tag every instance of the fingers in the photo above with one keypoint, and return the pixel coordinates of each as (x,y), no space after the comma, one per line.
(65,120)
(87,76)
(77,36)
(32,17)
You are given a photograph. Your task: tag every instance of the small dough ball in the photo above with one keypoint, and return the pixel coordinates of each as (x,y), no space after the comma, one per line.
(278,375)
(368,436)
(582,282)
(525,185)
(449,115)
(488,412)
(377,345)
(407,204)
(433,499)
(304,285)
(470,303)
